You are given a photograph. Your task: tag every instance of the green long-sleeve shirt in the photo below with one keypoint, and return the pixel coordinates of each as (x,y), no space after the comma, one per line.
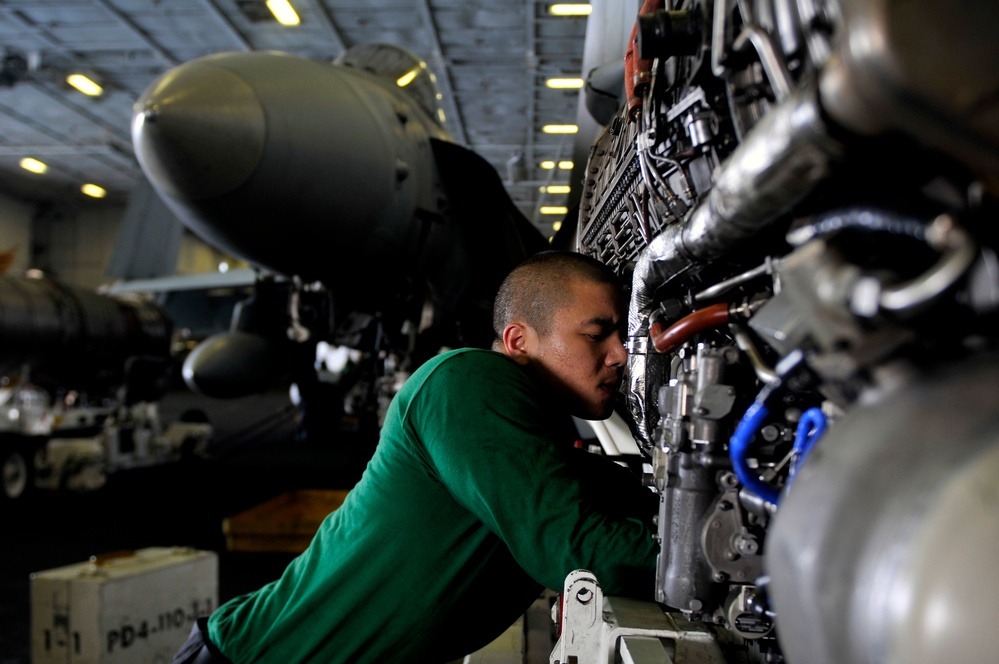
(466,509)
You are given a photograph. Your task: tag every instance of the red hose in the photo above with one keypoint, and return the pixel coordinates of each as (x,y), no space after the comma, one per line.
(637,73)
(671,338)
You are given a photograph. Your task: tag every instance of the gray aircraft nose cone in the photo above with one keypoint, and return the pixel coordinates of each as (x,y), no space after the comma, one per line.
(199,131)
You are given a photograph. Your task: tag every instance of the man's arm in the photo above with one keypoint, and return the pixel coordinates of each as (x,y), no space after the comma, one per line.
(490,444)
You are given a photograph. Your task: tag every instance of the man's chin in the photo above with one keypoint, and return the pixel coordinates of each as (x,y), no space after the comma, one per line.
(596,413)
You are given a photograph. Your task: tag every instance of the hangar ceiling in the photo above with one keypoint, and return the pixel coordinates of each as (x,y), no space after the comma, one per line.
(491,59)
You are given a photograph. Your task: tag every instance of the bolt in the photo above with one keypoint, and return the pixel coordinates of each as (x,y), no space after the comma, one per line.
(720,577)
(747,545)
(725,506)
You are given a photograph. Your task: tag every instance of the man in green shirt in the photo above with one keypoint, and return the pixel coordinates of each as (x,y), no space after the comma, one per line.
(474,500)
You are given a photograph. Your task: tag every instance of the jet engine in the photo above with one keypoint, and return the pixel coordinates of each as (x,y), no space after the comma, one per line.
(802,195)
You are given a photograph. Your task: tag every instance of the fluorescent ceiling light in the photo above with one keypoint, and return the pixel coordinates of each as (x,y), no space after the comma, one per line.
(564,83)
(557,226)
(283,12)
(93,191)
(33,165)
(560,129)
(408,77)
(571,9)
(84,85)
(553,209)
(547,165)
(558,189)
(565,165)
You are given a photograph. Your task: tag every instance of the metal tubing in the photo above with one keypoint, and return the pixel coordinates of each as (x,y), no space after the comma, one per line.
(677,334)
(782,159)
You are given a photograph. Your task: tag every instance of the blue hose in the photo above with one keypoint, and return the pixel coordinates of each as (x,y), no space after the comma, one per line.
(810,427)
(738,451)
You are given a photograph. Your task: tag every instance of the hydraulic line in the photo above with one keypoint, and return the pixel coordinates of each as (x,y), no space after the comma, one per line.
(764,372)
(811,426)
(738,451)
(957,254)
(872,220)
(958,251)
(671,338)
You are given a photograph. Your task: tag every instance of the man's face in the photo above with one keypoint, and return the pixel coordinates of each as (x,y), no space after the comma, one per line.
(582,356)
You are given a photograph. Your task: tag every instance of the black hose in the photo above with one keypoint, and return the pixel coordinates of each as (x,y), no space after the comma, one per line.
(877,221)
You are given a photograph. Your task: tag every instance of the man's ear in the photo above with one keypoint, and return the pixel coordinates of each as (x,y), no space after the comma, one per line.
(517,342)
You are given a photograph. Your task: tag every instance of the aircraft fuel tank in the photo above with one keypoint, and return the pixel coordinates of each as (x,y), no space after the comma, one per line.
(77,335)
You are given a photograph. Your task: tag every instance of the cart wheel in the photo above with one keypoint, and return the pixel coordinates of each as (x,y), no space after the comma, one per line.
(15,475)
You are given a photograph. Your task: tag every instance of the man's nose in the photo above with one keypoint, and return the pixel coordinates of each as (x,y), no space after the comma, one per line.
(616,354)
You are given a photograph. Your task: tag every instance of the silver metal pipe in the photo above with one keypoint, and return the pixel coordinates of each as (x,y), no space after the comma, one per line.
(781,160)
(959,252)
(770,56)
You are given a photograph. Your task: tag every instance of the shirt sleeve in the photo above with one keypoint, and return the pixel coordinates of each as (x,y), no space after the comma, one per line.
(489,441)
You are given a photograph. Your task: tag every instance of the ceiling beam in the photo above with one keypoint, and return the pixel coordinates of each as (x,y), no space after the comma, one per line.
(530,156)
(444,78)
(52,150)
(38,31)
(326,19)
(122,161)
(138,32)
(227,25)
(62,100)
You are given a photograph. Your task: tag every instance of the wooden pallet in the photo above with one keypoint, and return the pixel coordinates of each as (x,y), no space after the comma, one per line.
(285,524)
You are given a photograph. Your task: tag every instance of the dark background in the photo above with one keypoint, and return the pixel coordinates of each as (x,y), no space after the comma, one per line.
(257,456)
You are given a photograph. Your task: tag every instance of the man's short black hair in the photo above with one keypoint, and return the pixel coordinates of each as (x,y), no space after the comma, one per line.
(539,286)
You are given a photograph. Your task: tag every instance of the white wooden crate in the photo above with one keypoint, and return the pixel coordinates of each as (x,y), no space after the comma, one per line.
(133,608)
